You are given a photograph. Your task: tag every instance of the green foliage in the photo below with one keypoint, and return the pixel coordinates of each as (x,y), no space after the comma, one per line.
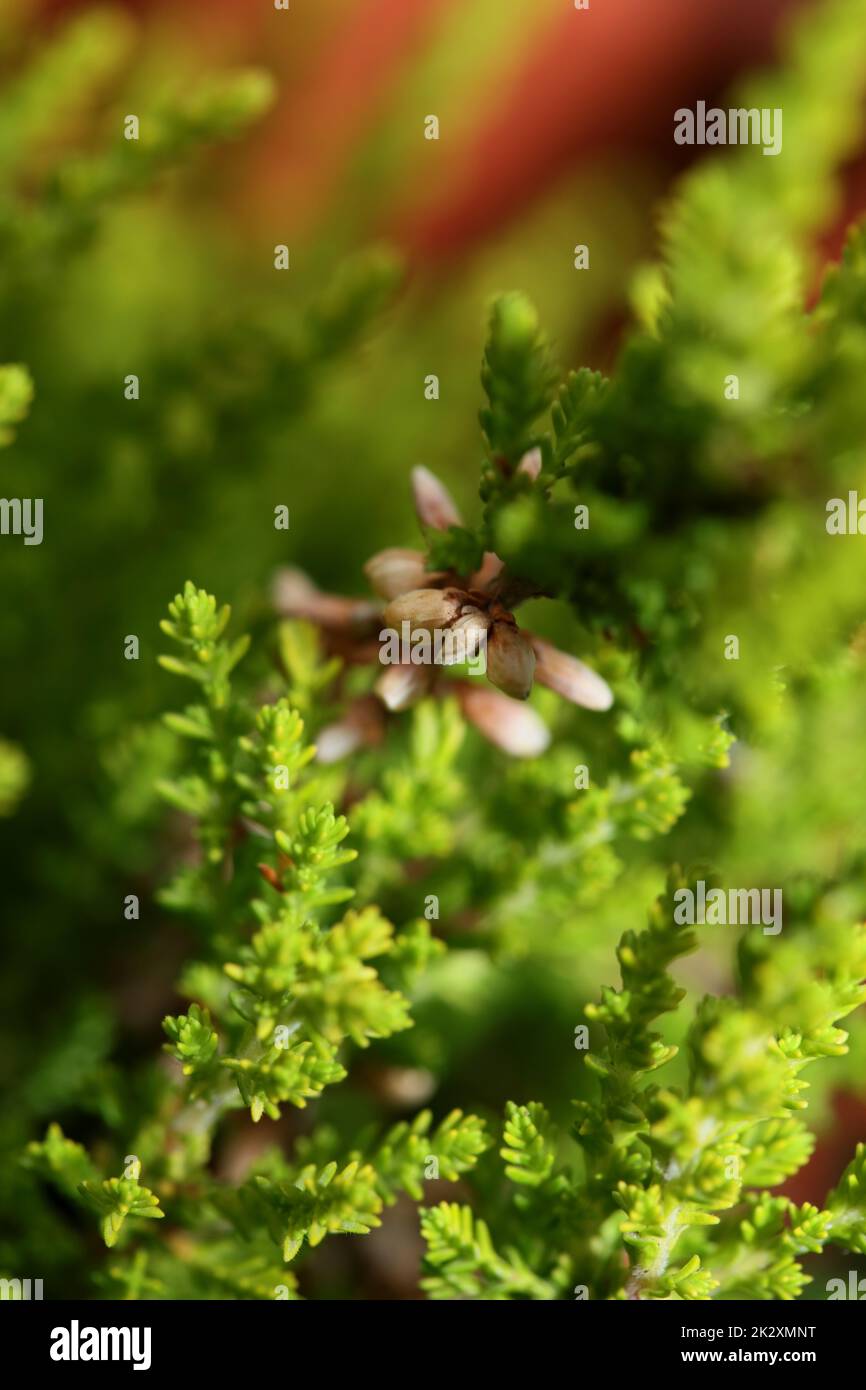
(118,1199)
(197,626)
(401,1158)
(303,987)
(464,1264)
(665,1165)
(414,812)
(317,1203)
(14,776)
(304,991)
(846,1206)
(192,1041)
(16,394)
(518,379)
(487,891)
(307,1202)
(529,1148)
(61,1160)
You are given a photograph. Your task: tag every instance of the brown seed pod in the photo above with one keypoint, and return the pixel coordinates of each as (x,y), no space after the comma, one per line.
(510,660)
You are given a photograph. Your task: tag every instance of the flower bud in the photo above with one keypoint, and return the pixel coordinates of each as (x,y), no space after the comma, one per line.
(530,464)
(400,687)
(337,741)
(514,324)
(508,724)
(395,571)
(295,595)
(468,636)
(362,726)
(570,678)
(510,660)
(433,501)
(491,568)
(424,608)
(400,1086)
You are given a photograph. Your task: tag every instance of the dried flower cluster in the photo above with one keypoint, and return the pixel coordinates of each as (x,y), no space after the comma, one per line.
(473,607)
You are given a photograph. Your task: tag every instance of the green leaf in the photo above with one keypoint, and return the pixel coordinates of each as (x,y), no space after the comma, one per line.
(118,1199)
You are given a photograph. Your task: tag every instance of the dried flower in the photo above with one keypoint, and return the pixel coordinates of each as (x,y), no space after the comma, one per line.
(569,677)
(509,724)
(425,610)
(471,630)
(433,501)
(361,727)
(530,464)
(472,612)
(296,596)
(395,571)
(401,686)
(510,660)
(491,569)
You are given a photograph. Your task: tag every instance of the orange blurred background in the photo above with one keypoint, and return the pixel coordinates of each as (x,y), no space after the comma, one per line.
(555,91)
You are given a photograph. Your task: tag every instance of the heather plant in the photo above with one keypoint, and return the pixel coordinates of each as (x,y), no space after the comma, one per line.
(270,1012)
(395,887)
(641,1218)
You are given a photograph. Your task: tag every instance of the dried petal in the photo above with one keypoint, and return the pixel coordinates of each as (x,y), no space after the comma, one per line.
(569,677)
(530,464)
(510,660)
(395,571)
(294,595)
(425,608)
(400,687)
(362,726)
(337,741)
(509,724)
(469,636)
(491,568)
(433,502)
(404,1086)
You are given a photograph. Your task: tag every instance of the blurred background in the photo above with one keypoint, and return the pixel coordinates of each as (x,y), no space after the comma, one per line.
(555,128)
